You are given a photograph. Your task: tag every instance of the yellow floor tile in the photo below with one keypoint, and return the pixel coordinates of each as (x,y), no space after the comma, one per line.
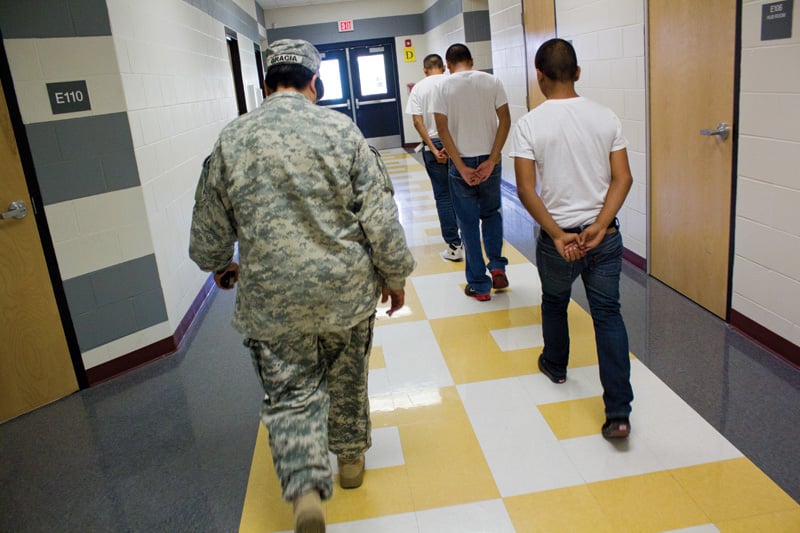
(783,522)
(572,509)
(445,464)
(376,359)
(647,503)
(385,492)
(574,418)
(430,262)
(728,490)
(443,459)
(264,509)
(472,354)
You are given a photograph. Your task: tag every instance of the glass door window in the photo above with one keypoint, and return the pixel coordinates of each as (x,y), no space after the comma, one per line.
(335,76)
(361,81)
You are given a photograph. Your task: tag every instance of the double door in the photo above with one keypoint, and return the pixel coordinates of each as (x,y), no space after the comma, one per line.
(361,82)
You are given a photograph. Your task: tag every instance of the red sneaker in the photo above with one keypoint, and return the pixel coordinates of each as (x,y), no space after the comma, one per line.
(469,291)
(499,279)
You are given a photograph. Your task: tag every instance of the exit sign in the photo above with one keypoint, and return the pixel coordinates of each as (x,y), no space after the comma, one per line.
(345,25)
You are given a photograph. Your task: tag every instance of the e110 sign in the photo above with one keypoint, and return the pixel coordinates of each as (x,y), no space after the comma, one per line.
(68,96)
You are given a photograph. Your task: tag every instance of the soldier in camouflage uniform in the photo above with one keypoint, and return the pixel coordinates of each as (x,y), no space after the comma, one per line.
(319,243)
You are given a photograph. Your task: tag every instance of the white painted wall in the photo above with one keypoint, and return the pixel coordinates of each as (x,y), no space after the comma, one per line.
(178,86)
(766,273)
(508,63)
(608,36)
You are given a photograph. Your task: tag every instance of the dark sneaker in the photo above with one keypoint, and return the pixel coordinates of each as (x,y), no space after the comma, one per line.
(469,291)
(544,369)
(616,428)
(499,279)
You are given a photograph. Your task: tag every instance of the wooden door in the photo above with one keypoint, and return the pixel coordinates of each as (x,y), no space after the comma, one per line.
(35,364)
(692,60)
(539,25)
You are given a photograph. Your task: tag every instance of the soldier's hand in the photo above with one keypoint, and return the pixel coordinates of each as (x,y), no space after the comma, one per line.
(226,279)
(398,298)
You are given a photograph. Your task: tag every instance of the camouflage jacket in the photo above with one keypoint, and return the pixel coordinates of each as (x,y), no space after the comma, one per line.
(313,211)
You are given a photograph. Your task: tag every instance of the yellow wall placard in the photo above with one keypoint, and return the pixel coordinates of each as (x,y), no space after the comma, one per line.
(409,54)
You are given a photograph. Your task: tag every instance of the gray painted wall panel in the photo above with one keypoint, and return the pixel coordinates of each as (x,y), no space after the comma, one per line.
(80,295)
(68,180)
(24,19)
(439,13)
(80,157)
(328,32)
(230,14)
(115,301)
(90,17)
(476,26)
(260,15)
(125,280)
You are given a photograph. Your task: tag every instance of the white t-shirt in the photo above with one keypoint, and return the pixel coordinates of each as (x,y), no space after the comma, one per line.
(419,101)
(470,100)
(571,141)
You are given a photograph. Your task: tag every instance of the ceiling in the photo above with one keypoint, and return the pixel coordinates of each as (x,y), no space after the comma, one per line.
(274,4)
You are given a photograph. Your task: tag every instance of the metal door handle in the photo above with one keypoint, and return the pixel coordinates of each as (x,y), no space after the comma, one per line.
(16,209)
(373,102)
(722,131)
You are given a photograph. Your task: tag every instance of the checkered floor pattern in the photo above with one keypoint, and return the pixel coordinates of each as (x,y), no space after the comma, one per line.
(468,436)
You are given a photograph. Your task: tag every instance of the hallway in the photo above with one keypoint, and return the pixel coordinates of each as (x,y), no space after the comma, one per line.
(467,434)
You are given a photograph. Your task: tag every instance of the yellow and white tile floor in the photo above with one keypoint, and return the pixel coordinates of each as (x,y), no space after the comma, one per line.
(469,436)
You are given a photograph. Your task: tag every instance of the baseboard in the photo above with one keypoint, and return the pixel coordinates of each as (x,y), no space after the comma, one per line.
(634,259)
(154,351)
(770,340)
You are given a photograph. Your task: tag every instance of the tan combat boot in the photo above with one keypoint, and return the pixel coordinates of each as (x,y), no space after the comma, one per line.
(351,472)
(308,515)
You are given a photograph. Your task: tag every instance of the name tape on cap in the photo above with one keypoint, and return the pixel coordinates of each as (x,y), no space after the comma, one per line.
(284,58)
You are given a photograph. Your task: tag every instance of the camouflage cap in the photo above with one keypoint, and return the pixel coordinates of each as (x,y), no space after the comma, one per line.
(293,52)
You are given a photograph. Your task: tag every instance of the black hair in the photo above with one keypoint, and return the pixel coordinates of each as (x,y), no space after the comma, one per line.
(288,75)
(458,53)
(433,61)
(556,59)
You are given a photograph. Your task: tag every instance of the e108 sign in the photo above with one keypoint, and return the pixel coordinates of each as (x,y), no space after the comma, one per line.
(68,96)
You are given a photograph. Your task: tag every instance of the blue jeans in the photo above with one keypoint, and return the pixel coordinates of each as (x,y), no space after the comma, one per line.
(478,211)
(600,270)
(437,172)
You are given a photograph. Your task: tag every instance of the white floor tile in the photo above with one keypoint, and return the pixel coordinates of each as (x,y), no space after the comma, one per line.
(518,338)
(378,382)
(487,516)
(399,523)
(598,459)
(676,433)
(412,355)
(441,295)
(705,528)
(583,382)
(521,451)
(386,450)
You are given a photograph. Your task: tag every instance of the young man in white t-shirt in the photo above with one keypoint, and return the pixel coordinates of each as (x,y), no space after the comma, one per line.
(433,153)
(574,151)
(472,118)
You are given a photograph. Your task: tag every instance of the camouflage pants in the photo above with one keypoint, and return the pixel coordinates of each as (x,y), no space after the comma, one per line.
(315,400)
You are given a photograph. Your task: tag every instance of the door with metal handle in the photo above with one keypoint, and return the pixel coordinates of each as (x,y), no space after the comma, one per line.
(722,131)
(16,209)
